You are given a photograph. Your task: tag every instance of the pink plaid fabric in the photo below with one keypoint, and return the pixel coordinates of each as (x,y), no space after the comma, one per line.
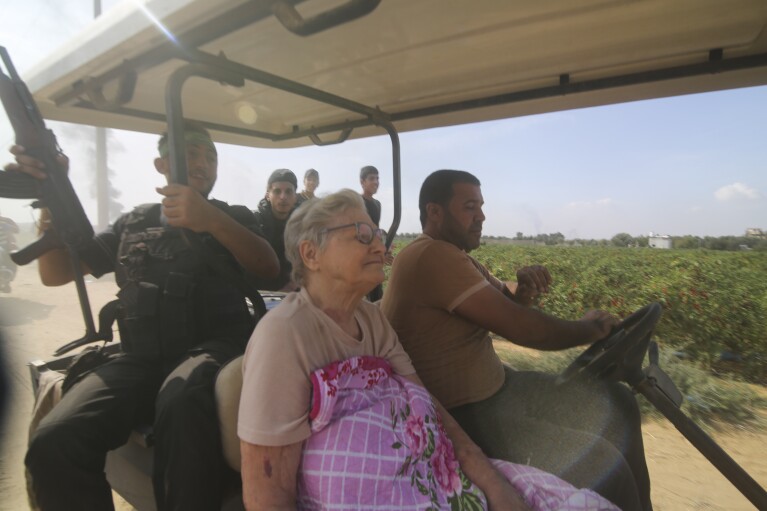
(378,443)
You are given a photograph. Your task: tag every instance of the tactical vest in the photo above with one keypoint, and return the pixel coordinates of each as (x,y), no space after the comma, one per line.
(171,300)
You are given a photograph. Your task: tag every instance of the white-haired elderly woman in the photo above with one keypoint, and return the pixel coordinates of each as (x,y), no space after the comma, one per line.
(332,414)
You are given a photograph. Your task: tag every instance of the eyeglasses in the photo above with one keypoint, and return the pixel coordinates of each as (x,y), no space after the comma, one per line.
(365,232)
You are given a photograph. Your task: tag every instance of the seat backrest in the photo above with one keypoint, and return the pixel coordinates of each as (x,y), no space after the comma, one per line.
(227,391)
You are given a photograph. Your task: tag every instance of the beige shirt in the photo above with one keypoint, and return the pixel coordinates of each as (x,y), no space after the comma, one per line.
(289,343)
(453,357)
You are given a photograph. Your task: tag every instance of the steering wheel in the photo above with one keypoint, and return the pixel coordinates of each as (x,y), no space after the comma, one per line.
(618,356)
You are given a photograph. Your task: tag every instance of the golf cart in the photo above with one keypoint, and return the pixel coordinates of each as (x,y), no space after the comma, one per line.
(286,73)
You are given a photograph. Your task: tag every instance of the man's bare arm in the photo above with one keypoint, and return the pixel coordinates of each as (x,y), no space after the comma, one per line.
(253,252)
(269,476)
(185,207)
(490,309)
(55,266)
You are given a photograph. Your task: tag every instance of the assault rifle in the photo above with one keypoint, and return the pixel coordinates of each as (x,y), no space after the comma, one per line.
(71,228)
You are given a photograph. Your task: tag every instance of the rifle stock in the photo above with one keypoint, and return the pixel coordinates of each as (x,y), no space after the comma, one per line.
(55,192)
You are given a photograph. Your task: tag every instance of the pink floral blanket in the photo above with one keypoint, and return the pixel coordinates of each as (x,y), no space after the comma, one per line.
(378,443)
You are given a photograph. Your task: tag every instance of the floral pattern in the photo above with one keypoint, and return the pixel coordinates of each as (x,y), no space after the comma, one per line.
(430,461)
(378,443)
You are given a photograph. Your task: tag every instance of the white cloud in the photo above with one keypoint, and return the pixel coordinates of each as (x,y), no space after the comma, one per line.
(736,191)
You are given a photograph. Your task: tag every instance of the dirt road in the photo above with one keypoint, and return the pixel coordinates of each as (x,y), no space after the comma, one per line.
(35,320)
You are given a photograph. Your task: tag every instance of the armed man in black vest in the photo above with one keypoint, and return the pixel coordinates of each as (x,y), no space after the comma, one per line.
(180,320)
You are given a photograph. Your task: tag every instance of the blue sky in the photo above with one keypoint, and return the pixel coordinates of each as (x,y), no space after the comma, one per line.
(687,165)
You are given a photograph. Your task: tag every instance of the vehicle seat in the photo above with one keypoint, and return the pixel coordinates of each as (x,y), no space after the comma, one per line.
(129,467)
(133,461)
(227,391)
(227,394)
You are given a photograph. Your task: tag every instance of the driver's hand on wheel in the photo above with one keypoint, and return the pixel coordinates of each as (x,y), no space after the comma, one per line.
(31,166)
(601,322)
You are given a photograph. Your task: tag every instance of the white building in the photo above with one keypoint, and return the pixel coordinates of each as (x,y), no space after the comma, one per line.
(659,241)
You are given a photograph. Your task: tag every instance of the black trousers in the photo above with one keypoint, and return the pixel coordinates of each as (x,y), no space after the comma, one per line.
(589,434)
(67,453)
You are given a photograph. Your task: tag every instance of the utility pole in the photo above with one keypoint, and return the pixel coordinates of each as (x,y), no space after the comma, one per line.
(102,171)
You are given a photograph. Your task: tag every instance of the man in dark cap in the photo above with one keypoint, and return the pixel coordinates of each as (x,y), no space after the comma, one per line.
(272,215)
(311,182)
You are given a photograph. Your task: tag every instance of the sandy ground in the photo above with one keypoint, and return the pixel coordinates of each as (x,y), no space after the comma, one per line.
(35,320)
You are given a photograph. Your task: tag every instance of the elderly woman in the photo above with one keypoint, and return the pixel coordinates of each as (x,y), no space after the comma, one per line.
(332,413)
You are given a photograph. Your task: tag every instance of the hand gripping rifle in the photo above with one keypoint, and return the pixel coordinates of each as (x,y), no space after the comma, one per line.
(71,228)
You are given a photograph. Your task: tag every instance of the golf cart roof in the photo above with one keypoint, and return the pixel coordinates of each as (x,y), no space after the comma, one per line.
(325,70)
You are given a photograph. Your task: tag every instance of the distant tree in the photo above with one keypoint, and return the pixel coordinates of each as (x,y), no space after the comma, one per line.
(85,135)
(519,236)
(722,243)
(687,242)
(622,239)
(550,239)
(642,241)
(556,239)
